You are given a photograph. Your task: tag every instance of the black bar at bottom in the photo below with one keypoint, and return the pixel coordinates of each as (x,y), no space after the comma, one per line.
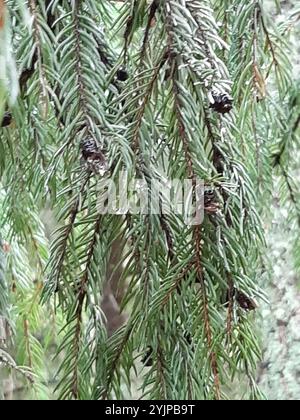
(136,409)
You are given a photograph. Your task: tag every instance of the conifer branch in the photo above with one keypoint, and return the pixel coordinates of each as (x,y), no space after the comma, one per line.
(196,229)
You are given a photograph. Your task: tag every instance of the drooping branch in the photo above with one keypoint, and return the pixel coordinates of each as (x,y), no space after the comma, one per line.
(191,174)
(82,294)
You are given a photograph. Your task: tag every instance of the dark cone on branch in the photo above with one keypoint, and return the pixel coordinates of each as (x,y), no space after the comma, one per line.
(221,102)
(122,74)
(93,157)
(241,299)
(211,203)
(7,119)
(245,302)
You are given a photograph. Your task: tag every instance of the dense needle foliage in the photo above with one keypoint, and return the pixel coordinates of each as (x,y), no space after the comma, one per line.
(91,89)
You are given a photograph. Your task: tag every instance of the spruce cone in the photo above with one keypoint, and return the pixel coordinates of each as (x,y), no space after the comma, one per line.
(241,299)
(245,302)
(93,157)
(7,119)
(211,204)
(122,74)
(222,102)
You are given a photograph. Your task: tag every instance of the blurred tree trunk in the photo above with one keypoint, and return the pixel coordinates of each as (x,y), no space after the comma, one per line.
(113,294)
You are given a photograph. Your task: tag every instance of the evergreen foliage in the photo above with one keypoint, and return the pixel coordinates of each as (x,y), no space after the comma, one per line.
(161,89)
